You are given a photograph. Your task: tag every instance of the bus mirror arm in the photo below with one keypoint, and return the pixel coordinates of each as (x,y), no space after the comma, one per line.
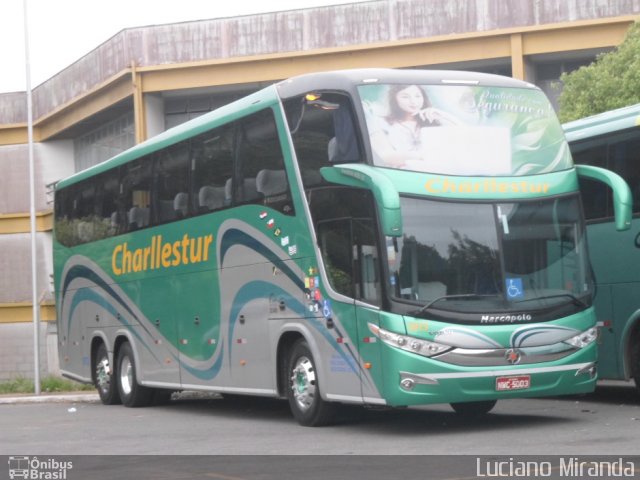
(384,192)
(622,198)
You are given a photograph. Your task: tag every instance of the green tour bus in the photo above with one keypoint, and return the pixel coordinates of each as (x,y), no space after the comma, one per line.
(612,140)
(373,237)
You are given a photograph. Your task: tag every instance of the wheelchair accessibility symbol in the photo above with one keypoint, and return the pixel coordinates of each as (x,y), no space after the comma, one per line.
(326,308)
(514,288)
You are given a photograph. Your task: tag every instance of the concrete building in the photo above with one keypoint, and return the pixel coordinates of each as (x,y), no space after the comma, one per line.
(145,80)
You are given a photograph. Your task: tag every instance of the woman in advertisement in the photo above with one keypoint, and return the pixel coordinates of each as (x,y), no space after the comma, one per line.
(397,138)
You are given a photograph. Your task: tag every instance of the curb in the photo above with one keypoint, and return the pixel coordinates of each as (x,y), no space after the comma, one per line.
(50,398)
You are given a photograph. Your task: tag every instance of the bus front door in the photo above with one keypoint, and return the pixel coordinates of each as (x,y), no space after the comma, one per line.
(350,253)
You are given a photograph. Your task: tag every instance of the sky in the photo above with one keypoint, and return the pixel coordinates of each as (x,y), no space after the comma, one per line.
(62,31)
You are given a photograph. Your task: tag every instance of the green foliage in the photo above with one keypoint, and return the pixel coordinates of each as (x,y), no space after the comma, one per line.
(47,385)
(80,230)
(17,385)
(611,81)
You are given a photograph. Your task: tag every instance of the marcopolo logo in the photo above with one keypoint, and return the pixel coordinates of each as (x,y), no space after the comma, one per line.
(38,469)
(521,317)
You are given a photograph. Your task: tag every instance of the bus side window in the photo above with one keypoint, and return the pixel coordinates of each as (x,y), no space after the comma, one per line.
(88,211)
(323,133)
(111,208)
(347,236)
(624,159)
(84,213)
(367,263)
(596,199)
(65,227)
(619,153)
(262,177)
(212,167)
(334,237)
(171,178)
(596,196)
(136,194)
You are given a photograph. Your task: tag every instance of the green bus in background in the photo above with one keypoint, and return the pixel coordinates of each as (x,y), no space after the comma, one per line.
(612,140)
(372,237)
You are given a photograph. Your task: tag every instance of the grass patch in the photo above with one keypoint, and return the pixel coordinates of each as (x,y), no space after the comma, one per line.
(47,385)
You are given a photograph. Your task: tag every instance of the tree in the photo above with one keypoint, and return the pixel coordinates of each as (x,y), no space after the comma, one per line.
(611,81)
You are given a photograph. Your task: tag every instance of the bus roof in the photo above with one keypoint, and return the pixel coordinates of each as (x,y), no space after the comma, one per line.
(603,123)
(347,79)
(239,108)
(332,80)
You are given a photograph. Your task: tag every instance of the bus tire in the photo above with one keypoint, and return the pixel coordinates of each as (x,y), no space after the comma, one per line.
(474,409)
(104,378)
(303,388)
(131,393)
(635,362)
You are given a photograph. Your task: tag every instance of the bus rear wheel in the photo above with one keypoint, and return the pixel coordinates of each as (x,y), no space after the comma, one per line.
(104,378)
(131,393)
(474,409)
(635,362)
(303,389)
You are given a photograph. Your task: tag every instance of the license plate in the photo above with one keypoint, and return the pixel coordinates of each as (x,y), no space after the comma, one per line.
(521,382)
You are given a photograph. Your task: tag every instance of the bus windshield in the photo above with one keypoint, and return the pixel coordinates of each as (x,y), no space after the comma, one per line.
(488,131)
(491,262)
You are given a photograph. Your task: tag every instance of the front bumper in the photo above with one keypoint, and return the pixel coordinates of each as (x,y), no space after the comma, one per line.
(427,381)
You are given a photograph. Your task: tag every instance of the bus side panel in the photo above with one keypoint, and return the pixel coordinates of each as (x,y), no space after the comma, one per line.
(338,347)
(608,366)
(615,257)
(371,356)
(196,313)
(72,332)
(240,356)
(156,331)
(226,346)
(626,309)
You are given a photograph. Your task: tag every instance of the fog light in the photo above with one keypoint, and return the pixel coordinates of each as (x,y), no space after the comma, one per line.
(590,369)
(407,384)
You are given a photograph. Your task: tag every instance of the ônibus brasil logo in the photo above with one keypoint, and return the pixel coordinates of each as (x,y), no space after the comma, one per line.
(38,469)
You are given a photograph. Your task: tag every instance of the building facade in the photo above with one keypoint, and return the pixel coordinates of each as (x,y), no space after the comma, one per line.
(145,80)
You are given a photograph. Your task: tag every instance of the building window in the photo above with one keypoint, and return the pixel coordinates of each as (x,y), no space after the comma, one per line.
(108,140)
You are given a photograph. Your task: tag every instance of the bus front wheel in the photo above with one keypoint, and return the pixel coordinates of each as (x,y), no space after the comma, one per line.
(131,393)
(303,389)
(104,377)
(472,409)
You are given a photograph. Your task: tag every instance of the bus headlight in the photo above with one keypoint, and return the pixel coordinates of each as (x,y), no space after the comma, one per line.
(408,343)
(583,339)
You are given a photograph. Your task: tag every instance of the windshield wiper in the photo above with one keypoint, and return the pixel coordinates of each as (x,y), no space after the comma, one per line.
(575,300)
(464,296)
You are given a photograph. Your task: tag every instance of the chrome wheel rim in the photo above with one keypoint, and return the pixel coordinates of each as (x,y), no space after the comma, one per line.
(126,376)
(303,383)
(103,374)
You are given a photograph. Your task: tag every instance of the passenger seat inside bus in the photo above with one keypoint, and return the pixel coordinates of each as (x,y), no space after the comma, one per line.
(114,220)
(249,192)
(271,182)
(181,204)
(211,198)
(138,217)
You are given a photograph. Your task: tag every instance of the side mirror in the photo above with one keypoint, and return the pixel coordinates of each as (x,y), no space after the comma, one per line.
(384,192)
(622,199)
